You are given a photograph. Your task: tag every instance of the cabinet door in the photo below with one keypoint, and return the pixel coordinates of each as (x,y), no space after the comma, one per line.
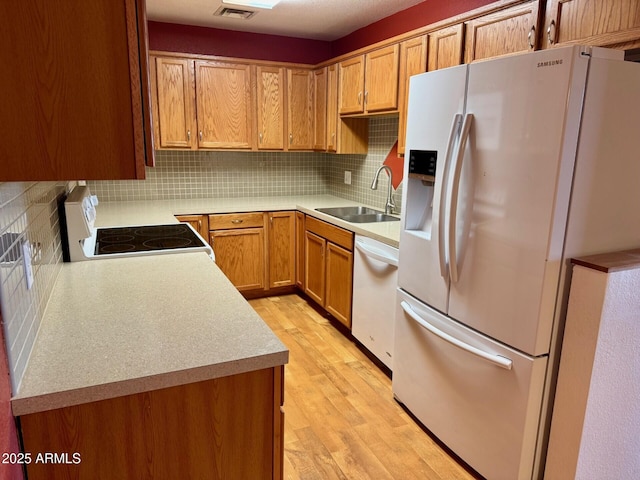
(175,98)
(605,23)
(381,79)
(240,255)
(300,257)
(320,109)
(270,112)
(282,258)
(351,81)
(445,48)
(200,223)
(512,30)
(332,108)
(413,60)
(339,283)
(314,267)
(223,105)
(74,91)
(300,109)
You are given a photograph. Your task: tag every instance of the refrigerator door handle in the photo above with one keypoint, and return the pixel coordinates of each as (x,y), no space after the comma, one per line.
(498,360)
(455,127)
(455,188)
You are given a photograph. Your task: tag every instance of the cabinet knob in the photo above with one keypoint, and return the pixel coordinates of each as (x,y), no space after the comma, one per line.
(531,38)
(290,138)
(551,32)
(200,135)
(188,135)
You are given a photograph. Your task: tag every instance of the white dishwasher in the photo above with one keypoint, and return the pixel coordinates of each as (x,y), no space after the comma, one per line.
(375,280)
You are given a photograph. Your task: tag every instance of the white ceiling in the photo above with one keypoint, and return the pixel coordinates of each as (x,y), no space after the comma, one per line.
(316,19)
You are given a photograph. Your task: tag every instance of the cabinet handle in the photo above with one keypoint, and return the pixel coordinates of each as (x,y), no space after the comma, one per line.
(359,98)
(260,137)
(290,138)
(532,37)
(366,97)
(237,221)
(188,135)
(551,32)
(200,135)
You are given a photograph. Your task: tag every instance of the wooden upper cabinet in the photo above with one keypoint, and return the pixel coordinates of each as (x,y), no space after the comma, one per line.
(332,108)
(320,109)
(413,60)
(369,83)
(511,30)
(605,23)
(351,86)
(74,91)
(445,47)
(224,106)
(270,112)
(300,109)
(175,109)
(381,79)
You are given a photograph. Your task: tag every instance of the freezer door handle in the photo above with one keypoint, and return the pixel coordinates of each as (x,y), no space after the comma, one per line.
(376,254)
(498,360)
(453,198)
(455,126)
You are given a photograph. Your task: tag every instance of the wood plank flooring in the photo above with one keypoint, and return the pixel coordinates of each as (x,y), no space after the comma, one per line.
(341,421)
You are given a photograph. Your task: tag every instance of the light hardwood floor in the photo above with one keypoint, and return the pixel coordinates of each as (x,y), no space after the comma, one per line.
(341,421)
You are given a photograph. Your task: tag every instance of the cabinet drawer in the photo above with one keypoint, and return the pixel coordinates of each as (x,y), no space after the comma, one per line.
(334,234)
(236,220)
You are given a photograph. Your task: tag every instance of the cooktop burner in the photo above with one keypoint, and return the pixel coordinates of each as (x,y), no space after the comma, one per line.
(145,238)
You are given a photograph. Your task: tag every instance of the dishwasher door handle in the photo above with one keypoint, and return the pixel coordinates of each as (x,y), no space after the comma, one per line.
(376,254)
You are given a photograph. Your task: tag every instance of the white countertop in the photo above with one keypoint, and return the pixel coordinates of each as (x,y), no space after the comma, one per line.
(124,326)
(117,327)
(163,211)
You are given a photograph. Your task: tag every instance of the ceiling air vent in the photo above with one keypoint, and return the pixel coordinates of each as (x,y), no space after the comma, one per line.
(234,13)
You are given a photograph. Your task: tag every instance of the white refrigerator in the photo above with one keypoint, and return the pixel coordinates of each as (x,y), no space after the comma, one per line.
(513,166)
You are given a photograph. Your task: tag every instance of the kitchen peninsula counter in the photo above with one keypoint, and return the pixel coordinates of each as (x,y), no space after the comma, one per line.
(124,326)
(163,211)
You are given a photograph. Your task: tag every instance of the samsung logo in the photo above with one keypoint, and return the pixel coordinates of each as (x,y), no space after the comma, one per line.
(550,63)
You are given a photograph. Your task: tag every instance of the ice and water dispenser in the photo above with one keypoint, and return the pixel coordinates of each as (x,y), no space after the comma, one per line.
(420,186)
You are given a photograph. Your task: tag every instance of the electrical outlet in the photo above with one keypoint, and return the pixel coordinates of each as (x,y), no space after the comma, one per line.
(28,270)
(347,177)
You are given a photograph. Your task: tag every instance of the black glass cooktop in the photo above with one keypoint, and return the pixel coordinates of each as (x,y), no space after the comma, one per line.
(145,238)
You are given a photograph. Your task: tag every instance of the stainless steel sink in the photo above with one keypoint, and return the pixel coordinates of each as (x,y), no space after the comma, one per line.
(358,214)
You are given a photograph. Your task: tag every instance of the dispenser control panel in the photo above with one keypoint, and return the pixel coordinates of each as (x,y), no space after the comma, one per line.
(422,164)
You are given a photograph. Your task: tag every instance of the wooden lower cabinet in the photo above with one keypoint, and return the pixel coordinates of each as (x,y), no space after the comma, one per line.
(339,283)
(256,250)
(200,223)
(225,428)
(240,255)
(328,268)
(281,248)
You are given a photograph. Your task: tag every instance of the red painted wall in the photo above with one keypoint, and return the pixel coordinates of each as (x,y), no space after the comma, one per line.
(425,13)
(171,37)
(211,41)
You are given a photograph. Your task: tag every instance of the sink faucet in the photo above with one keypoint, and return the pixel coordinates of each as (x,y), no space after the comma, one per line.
(390,205)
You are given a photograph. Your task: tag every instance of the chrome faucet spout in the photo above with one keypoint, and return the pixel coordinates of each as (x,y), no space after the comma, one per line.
(390,204)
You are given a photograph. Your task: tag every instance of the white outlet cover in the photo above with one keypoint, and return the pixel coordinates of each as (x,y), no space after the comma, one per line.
(347,177)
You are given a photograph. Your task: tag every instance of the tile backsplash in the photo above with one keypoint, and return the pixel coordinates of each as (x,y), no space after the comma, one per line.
(208,174)
(28,215)
(28,211)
